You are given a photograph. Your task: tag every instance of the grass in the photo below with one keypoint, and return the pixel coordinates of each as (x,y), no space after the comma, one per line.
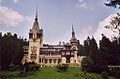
(51,73)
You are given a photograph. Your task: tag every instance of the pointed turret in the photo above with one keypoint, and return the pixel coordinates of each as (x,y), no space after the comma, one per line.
(36,18)
(36,31)
(35,27)
(74,44)
(73,33)
(73,39)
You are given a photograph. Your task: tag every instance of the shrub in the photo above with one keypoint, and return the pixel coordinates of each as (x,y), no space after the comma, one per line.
(25,74)
(12,67)
(62,68)
(28,66)
(86,64)
(3,76)
(104,75)
(22,74)
(115,71)
(36,67)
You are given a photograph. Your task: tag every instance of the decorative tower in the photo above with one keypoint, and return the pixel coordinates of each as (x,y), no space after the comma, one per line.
(35,42)
(74,43)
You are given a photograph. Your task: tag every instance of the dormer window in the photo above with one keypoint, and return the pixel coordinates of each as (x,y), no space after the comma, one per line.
(38,35)
(30,35)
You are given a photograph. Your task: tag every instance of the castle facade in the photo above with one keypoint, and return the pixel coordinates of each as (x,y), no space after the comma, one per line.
(50,55)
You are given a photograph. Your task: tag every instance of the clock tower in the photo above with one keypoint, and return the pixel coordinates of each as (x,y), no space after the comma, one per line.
(35,42)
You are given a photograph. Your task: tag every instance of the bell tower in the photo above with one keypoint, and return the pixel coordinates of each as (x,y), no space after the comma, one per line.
(35,41)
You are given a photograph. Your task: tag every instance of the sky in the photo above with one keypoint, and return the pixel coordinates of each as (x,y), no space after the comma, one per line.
(56,18)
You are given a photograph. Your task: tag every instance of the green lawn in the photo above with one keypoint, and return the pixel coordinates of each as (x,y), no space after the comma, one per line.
(51,73)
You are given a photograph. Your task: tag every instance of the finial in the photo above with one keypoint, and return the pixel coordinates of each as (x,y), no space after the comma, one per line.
(72,29)
(36,16)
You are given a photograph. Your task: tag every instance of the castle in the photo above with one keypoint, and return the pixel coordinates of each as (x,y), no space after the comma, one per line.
(50,55)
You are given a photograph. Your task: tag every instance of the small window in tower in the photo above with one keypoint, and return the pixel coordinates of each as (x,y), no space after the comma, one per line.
(38,35)
(30,35)
(67,53)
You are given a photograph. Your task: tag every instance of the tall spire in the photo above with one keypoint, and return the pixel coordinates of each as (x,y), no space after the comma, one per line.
(73,38)
(73,33)
(36,23)
(36,16)
(73,29)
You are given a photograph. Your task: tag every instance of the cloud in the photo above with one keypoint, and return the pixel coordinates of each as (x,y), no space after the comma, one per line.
(84,5)
(9,17)
(102,30)
(0,1)
(86,31)
(81,4)
(16,1)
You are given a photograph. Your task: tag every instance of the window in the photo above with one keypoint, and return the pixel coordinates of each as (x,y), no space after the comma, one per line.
(54,60)
(33,56)
(67,53)
(40,60)
(50,60)
(63,53)
(46,60)
(59,60)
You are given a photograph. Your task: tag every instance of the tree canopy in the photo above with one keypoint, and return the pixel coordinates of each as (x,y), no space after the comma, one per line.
(113,3)
(11,50)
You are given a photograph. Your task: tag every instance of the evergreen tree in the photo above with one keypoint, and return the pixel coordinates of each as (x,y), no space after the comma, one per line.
(86,46)
(116,48)
(80,49)
(11,50)
(90,46)
(95,56)
(106,50)
(113,3)
(93,50)
(119,49)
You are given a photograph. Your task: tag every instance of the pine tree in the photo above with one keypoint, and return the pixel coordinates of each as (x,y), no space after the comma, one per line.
(90,46)
(86,46)
(113,3)
(80,49)
(93,50)
(106,50)
(11,50)
(116,54)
